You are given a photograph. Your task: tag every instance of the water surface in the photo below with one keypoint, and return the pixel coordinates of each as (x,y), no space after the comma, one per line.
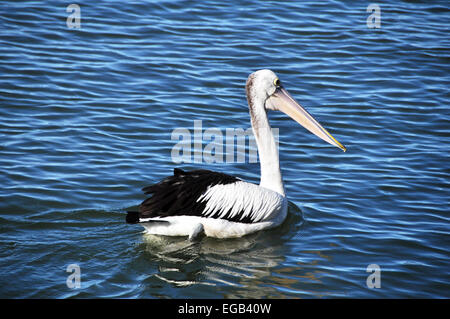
(86,120)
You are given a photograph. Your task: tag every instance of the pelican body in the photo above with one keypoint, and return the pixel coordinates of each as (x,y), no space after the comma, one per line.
(206,203)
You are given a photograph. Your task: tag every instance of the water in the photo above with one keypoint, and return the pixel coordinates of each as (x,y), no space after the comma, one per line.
(86,119)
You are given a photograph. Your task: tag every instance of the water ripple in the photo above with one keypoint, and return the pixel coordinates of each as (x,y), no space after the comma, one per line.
(87,117)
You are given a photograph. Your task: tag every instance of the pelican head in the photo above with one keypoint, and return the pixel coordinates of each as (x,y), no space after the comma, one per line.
(264,88)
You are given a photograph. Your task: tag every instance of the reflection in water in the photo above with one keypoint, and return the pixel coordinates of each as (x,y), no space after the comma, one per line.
(250,265)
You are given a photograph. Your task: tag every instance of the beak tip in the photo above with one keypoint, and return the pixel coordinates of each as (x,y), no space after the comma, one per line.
(342,147)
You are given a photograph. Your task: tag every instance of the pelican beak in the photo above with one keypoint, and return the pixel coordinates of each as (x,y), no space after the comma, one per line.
(283,101)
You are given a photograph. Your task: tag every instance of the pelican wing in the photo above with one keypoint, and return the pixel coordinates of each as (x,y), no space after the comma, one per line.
(210,194)
(241,202)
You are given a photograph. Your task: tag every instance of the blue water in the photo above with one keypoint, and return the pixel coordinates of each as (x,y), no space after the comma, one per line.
(86,121)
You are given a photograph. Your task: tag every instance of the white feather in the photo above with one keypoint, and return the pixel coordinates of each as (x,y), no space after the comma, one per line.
(253,201)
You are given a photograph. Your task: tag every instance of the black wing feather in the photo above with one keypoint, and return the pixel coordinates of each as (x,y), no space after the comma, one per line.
(177,195)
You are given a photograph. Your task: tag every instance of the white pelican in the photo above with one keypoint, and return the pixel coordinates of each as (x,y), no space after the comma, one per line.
(202,202)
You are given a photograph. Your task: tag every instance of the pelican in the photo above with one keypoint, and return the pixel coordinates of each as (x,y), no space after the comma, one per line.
(205,203)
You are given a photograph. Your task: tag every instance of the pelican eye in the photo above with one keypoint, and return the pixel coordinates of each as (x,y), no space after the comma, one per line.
(277,82)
